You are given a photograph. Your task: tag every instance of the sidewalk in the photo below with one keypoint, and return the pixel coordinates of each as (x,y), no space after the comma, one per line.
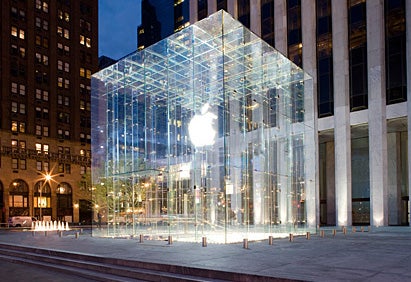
(383,254)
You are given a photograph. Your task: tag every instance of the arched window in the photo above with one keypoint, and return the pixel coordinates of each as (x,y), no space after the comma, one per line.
(19,198)
(42,200)
(64,202)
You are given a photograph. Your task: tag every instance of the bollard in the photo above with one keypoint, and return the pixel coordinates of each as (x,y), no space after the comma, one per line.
(81,230)
(77,235)
(369,228)
(204,242)
(362,228)
(245,243)
(45,233)
(60,233)
(322,233)
(308,235)
(32,233)
(291,238)
(141,238)
(344,230)
(270,240)
(354,230)
(170,240)
(334,232)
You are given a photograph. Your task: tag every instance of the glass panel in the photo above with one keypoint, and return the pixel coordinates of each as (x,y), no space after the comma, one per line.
(202,134)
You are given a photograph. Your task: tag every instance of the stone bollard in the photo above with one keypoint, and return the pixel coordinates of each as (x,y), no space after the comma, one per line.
(141,238)
(291,238)
(204,243)
(45,233)
(322,233)
(270,240)
(60,233)
(170,240)
(308,235)
(334,232)
(77,234)
(344,230)
(245,243)
(354,230)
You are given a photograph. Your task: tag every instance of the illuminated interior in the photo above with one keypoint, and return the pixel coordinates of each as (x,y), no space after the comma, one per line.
(206,133)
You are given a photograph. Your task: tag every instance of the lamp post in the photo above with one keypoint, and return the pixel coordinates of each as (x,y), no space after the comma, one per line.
(47,178)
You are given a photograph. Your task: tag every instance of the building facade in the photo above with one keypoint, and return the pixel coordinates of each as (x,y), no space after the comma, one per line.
(357,53)
(49,49)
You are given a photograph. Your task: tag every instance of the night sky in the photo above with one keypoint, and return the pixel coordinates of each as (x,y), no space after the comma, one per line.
(118,22)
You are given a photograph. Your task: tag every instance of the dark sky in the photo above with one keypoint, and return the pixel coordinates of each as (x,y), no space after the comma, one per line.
(118,22)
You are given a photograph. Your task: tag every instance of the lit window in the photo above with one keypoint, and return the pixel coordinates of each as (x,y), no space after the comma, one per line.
(45,95)
(60,82)
(66,83)
(82,72)
(46,166)
(66,34)
(82,39)
(38,40)
(45,7)
(66,16)
(82,105)
(38,4)
(59,65)
(21,34)
(59,99)
(14,126)
(14,143)
(88,42)
(14,31)
(38,147)
(46,148)
(88,74)
(22,127)
(66,67)
(66,101)
(39,165)
(45,60)
(82,152)
(59,32)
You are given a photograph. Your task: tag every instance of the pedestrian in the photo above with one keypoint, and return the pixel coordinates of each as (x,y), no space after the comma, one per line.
(99,219)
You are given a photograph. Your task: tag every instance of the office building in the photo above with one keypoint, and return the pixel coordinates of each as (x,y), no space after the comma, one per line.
(49,49)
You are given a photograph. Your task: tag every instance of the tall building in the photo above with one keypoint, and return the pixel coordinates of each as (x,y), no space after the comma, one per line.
(49,49)
(357,51)
(159,19)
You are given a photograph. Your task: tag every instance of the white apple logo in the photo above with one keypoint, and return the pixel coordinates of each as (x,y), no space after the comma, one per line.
(201,129)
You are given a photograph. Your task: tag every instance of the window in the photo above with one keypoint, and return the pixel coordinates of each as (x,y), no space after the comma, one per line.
(38,22)
(14,87)
(45,25)
(14,107)
(39,165)
(66,34)
(15,163)
(88,74)
(66,67)
(22,89)
(82,152)
(82,105)
(59,65)
(38,4)
(67,134)
(45,7)
(23,109)
(60,99)
(38,40)
(21,34)
(66,101)
(38,130)
(60,168)
(23,164)
(45,131)
(68,168)
(83,170)
(82,72)
(14,31)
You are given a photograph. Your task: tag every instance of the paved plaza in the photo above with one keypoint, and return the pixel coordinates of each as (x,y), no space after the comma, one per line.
(381,254)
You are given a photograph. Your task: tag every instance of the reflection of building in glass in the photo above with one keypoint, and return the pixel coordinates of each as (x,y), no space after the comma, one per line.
(255,177)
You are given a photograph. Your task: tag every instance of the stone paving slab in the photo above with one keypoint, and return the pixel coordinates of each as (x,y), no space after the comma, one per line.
(383,254)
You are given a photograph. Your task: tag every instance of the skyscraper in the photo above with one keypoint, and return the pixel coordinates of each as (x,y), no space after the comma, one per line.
(49,49)
(357,53)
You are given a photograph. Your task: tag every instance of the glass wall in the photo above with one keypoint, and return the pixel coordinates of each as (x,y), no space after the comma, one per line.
(203,134)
